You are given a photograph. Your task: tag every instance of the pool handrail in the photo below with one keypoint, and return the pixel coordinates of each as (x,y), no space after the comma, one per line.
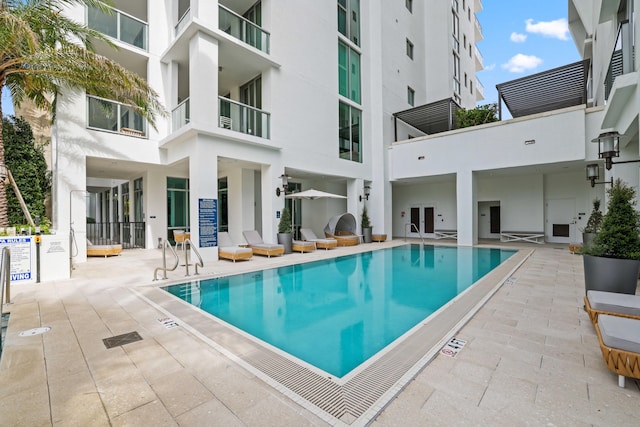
(189,244)
(413,226)
(164,268)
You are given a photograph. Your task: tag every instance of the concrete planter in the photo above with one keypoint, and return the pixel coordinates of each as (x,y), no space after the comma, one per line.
(285,239)
(366,234)
(610,274)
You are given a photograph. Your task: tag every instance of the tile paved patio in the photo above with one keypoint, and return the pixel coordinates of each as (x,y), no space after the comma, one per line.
(531,357)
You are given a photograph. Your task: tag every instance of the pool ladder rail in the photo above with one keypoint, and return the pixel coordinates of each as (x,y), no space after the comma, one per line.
(187,247)
(413,227)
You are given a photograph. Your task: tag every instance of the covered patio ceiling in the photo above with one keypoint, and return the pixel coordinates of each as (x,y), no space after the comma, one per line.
(430,118)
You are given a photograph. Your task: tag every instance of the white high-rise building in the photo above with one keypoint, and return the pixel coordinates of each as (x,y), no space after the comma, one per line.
(254,91)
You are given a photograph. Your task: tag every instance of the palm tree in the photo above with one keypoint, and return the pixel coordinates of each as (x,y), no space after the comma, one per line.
(43,53)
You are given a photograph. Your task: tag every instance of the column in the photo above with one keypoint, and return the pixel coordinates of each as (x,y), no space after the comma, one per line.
(467,208)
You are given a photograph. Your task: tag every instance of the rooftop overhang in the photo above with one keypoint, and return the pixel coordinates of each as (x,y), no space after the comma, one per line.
(431,118)
(554,89)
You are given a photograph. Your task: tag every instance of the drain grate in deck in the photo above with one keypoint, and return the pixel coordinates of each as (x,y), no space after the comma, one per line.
(123,339)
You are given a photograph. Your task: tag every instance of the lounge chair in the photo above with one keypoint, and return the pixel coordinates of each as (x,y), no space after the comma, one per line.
(599,302)
(308,235)
(103,250)
(259,247)
(342,227)
(227,250)
(619,339)
(303,246)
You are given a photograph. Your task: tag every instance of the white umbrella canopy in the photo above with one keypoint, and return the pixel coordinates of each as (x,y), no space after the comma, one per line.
(310,194)
(313,194)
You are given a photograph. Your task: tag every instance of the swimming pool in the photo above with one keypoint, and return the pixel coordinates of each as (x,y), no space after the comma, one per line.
(336,314)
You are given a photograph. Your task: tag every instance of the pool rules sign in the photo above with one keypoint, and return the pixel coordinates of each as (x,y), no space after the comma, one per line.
(21,259)
(453,347)
(208,222)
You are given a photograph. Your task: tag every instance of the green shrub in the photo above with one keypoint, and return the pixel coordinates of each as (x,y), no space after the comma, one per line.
(285,221)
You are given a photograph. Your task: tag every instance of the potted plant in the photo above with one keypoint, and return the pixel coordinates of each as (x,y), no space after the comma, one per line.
(593,224)
(284,230)
(366,226)
(612,262)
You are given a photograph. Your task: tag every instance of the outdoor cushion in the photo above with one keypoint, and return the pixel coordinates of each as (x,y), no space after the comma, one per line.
(612,302)
(620,332)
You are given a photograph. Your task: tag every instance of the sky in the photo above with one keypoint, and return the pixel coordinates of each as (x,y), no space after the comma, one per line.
(522,38)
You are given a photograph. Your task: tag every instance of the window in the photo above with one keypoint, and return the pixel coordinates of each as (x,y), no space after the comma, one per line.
(223,205)
(409,5)
(177,206)
(456,74)
(466,82)
(348,72)
(411,96)
(464,43)
(471,86)
(349,133)
(409,49)
(349,19)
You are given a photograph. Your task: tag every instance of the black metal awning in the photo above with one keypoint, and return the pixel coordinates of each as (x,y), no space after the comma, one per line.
(431,118)
(560,87)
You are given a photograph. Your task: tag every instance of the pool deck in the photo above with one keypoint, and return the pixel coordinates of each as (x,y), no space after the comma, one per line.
(531,357)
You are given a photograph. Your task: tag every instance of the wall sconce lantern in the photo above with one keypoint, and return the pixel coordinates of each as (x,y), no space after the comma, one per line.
(608,147)
(367,192)
(593,174)
(285,185)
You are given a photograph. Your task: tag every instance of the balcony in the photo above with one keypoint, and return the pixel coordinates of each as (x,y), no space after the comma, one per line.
(243,29)
(479,59)
(110,116)
(243,118)
(180,115)
(478,30)
(621,58)
(120,26)
(183,21)
(479,90)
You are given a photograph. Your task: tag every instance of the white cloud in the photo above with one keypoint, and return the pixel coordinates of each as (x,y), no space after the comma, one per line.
(489,67)
(518,38)
(558,29)
(521,63)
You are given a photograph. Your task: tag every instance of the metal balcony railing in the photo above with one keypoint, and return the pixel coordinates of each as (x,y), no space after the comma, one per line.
(182,22)
(180,115)
(243,29)
(129,234)
(120,26)
(243,118)
(111,116)
(622,58)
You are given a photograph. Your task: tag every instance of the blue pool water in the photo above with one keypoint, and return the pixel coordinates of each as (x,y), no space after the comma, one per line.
(337,313)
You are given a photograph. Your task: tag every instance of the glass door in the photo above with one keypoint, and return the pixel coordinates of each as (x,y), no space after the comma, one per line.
(177,206)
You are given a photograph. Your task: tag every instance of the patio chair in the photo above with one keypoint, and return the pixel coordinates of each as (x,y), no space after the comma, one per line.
(623,305)
(227,250)
(103,250)
(308,235)
(259,247)
(342,227)
(619,339)
(303,246)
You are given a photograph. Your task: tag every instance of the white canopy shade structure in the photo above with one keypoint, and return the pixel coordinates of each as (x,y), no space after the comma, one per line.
(310,194)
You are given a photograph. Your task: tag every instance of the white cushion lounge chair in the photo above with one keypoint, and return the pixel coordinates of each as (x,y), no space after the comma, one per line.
(227,250)
(259,247)
(308,235)
(103,250)
(619,339)
(600,302)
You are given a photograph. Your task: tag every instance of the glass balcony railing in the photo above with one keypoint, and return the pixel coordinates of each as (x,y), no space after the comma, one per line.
(180,115)
(183,21)
(110,116)
(243,29)
(621,58)
(243,118)
(119,25)
(479,57)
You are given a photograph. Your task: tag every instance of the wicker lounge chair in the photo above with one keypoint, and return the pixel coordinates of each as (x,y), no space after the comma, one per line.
(103,250)
(227,250)
(303,246)
(308,235)
(619,339)
(342,228)
(259,247)
(599,302)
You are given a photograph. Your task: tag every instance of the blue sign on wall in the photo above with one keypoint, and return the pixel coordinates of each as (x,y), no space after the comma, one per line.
(208,222)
